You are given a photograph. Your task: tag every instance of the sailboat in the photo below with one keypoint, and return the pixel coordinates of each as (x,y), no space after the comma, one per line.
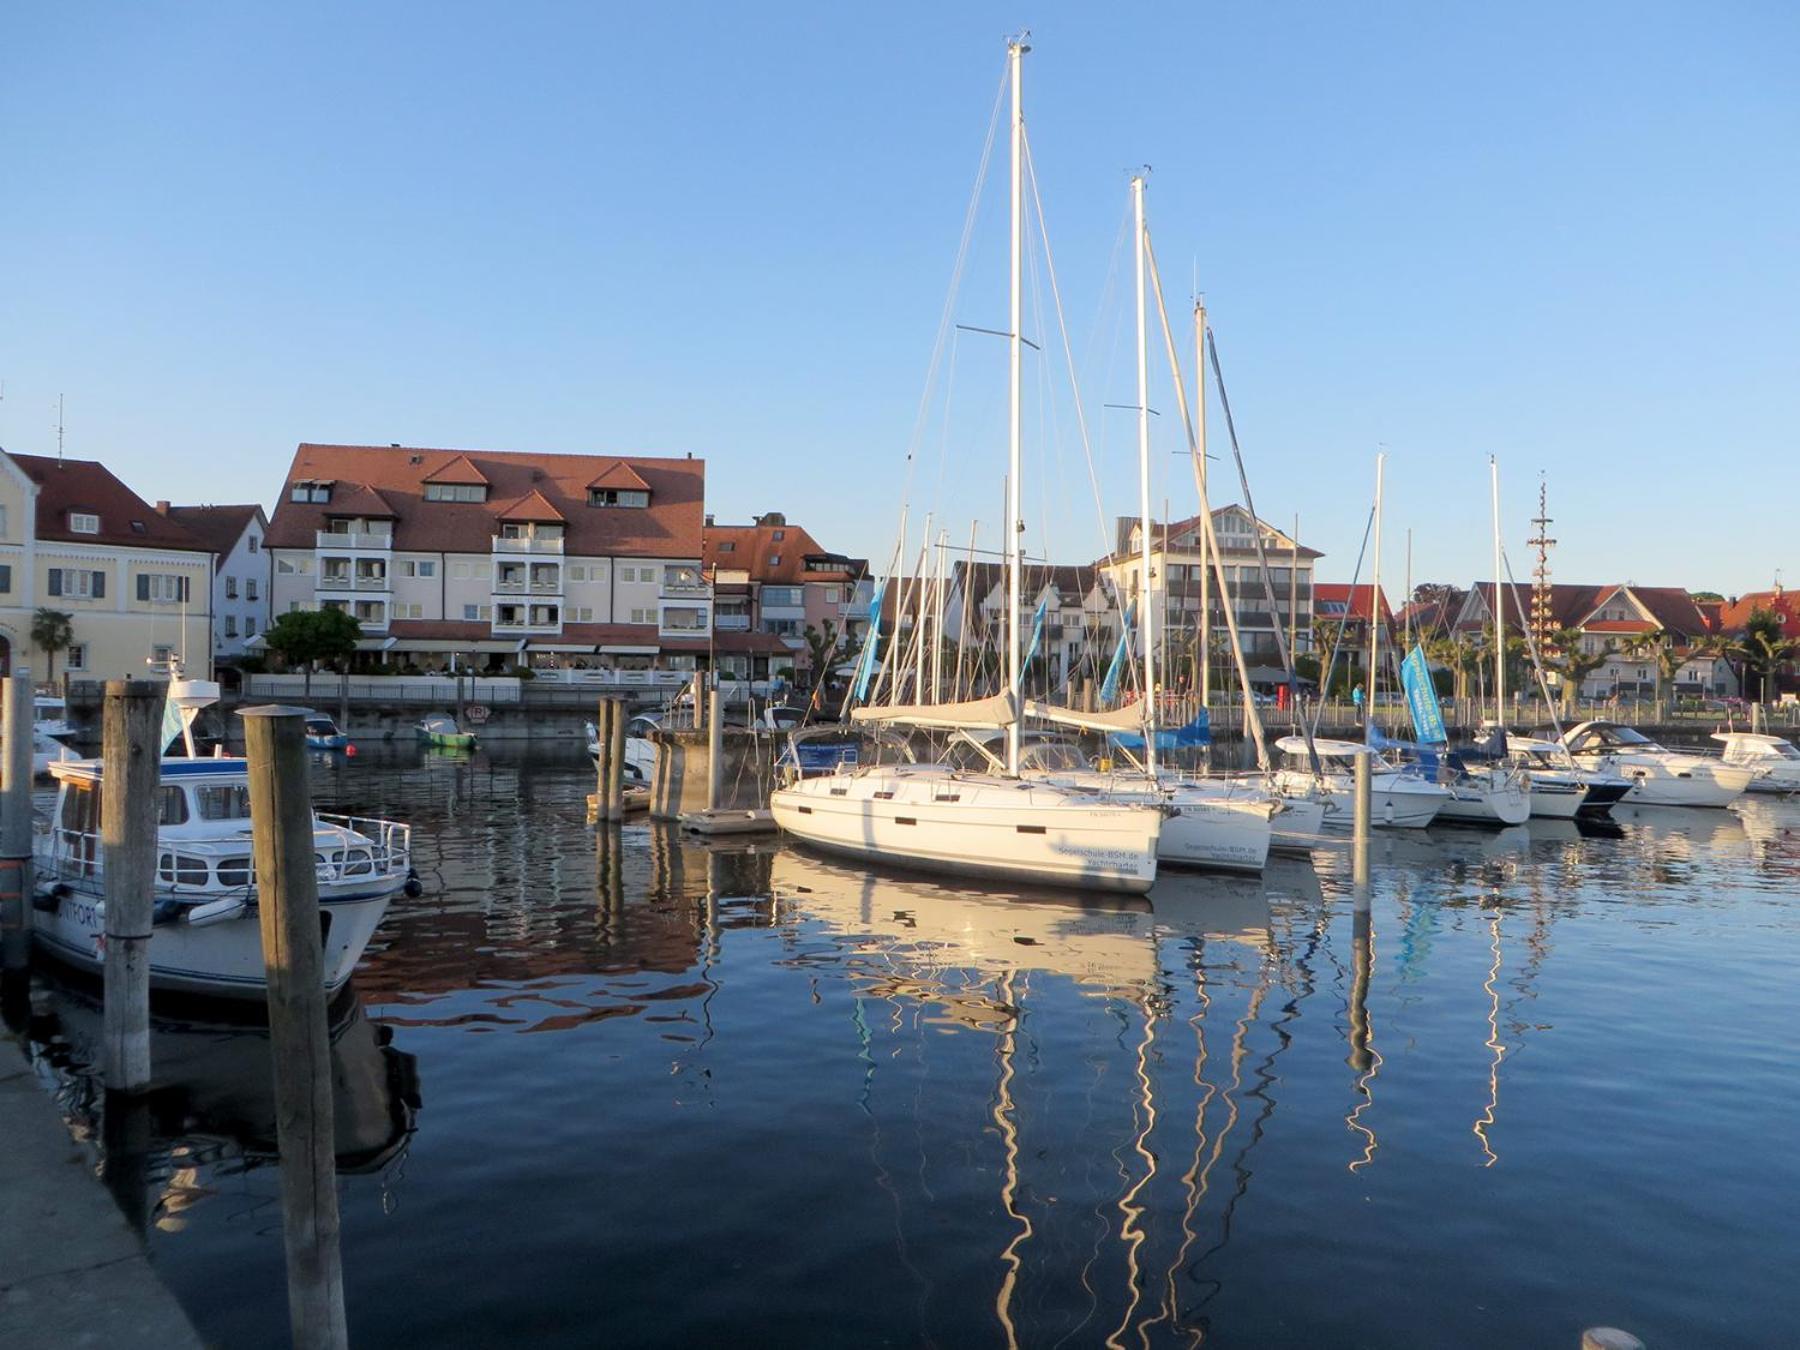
(992,825)
(1208,824)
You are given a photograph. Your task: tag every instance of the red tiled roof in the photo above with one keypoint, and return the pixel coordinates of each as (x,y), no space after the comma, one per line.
(755,549)
(619,475)
(1618,626)
(86,486)
(1735,613)
(359,499)
(533,506)
(459,470)
(668,528)
(1569,603)
(1355,600)
(217,527)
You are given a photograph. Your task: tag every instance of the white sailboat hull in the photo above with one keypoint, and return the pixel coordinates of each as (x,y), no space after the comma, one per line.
(937,820)
(1299,826)
(1477,802)
(1207,824)
(1396,800)
(1556,797)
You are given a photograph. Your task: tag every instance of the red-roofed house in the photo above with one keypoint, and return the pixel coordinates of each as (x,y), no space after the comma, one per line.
(240,583)
(506,558)
(774,578)
(135,584)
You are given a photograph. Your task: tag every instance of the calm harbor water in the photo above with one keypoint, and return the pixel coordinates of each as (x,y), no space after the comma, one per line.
(677,1096)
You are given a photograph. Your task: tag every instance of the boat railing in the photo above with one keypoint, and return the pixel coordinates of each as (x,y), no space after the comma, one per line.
(203,866)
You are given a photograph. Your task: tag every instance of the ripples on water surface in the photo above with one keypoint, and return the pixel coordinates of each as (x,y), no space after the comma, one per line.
(693,1097)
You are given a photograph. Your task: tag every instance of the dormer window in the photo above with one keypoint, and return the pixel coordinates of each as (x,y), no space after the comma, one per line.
(456,492)
(307,490)
(83,522)
(617,497)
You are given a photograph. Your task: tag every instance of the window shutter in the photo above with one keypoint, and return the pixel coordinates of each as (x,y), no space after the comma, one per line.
(99,585)
(56,581)
(5,577)
(184,590)
(143,587)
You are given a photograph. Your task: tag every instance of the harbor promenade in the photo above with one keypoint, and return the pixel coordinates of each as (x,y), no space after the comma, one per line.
(73,1273)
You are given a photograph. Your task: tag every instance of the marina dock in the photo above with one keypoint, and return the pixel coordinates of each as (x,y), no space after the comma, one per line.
(74,1273)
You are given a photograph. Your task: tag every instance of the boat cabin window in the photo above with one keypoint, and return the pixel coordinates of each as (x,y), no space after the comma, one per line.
(225,801)
(172,804)
(81,809)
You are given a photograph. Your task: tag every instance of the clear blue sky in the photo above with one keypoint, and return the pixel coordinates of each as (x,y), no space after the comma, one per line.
(1565,234)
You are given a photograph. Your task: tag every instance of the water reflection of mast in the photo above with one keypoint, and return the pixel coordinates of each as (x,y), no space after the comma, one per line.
(1486,1120)
(1364,1058)
(1004,1118)
(1130,1235)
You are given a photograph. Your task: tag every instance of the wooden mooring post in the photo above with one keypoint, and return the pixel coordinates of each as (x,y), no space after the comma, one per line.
(615,769)
(15,824)
(287,886)
(715,748)
(602,756)
(131,777)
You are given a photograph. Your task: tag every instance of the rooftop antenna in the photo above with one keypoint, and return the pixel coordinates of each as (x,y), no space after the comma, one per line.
(59,431)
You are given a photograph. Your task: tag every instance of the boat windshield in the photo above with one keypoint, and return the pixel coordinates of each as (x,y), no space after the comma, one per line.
(321,726)
(1055,756)
(223,801)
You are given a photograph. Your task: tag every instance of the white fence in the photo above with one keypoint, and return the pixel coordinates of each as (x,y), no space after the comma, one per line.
(328,688)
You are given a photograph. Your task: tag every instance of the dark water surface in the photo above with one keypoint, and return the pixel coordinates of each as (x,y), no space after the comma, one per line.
(681,1096)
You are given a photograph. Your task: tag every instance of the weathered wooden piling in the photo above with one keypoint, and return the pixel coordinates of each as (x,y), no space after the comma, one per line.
(602,757)
(131,772)
(288,898)
(1360,824)
(15,824)
(615,789)
(715,748)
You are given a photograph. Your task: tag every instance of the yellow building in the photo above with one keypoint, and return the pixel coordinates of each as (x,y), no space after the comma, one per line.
(136,586)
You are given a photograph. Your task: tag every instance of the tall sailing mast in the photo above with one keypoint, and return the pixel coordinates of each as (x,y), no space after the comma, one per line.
(1374,608)
(1200,461)
(1015,53)
(1499,604)
(1151,604)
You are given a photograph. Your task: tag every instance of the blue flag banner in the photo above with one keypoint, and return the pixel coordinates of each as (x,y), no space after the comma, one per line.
(1109,687)
(1037,632)
(865,662)
(1422,699)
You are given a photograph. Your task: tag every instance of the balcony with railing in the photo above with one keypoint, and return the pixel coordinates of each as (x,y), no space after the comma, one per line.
(683,582)
(354,541)
(531,544)
(732,623)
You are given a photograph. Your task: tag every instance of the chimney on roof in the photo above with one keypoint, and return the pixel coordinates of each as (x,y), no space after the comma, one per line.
(771,518)
(162,508)
(709,520)
(393,445)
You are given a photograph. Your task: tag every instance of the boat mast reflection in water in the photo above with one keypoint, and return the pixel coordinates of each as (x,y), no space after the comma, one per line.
(999,965)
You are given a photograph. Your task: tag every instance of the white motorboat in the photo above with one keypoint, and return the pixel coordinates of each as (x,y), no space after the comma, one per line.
(1660,776)
(640,750)
(1400,798)
(1774,762)
(1558,788)
(206,937)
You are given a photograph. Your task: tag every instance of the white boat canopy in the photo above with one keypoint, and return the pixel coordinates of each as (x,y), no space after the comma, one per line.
(1128,718)
(998,711)
(1296,745)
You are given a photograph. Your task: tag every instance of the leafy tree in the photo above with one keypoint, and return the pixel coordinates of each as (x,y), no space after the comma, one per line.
(1572,664)
(1706,595)
(308,636)
(823,645)
(1765,649)
(52,630)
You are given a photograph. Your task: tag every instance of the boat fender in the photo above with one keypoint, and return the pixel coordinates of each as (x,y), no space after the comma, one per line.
(414,887)
(215,911)
(48,899)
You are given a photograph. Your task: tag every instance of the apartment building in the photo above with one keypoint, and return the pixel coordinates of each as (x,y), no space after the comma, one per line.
(498,559)
(1081,615)
(136,586)
(240,583)
(774,580)
(1175,564)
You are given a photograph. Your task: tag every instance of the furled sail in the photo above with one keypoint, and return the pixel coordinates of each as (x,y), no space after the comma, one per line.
(998,711)
(1128,718)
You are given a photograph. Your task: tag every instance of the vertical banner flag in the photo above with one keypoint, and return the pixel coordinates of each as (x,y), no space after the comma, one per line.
(1421,698)
(1109,687)
(865,663)
(1037,632)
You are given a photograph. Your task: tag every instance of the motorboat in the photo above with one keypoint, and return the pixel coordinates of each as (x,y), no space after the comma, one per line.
(1223,824)
(1400,797)
(322,733)
(1558,788)
(1774,762)
(640,750)
(442,731)
(1660,776)
(206,937)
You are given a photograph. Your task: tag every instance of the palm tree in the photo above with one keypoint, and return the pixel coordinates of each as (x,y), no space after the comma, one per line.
(1765,649)
(52,631)
(1718,647)
(1572,664)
